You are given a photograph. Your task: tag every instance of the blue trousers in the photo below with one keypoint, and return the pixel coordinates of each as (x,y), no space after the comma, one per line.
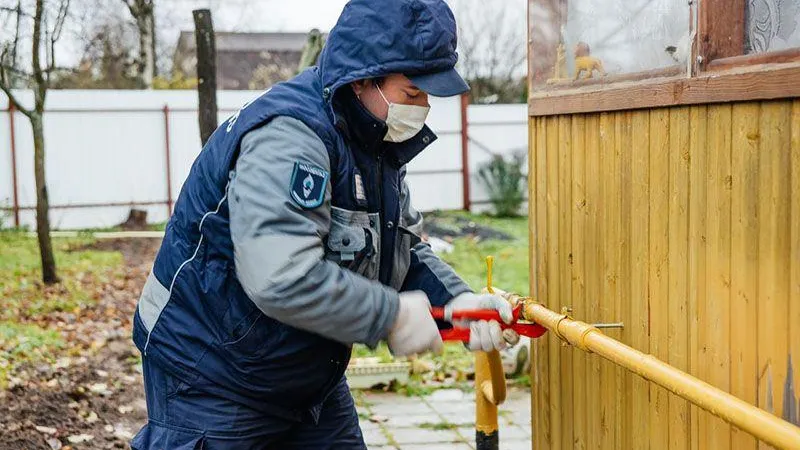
(183,418)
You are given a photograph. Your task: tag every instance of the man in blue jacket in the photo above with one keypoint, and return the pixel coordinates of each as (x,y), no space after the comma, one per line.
(294,238)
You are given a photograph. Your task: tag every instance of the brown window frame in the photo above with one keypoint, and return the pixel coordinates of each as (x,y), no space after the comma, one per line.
(720,72)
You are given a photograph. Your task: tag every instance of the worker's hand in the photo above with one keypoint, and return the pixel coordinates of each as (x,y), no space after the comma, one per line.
(414,330)
(484,335)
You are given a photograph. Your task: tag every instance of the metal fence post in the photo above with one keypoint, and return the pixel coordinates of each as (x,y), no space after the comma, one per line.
(168,159)
(465,151)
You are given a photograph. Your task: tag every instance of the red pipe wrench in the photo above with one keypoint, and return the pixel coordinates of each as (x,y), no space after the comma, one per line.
(531,330)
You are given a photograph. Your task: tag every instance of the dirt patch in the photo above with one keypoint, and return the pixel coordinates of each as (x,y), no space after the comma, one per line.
(137,252)
(99,396)
(449,228)
(91,397)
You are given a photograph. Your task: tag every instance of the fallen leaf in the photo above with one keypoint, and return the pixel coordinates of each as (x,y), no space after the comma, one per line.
(79,438)
(14,382)
(421,366)
(46,430)
(92,417)
(125,409)
(122,433)
(109,428)
(101,373)
(378,418)
(54,443)
(100,388)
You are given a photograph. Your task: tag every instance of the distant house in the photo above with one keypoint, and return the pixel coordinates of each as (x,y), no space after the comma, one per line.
(246,60)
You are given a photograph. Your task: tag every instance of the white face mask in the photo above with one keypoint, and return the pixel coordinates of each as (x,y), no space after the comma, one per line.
(404,121)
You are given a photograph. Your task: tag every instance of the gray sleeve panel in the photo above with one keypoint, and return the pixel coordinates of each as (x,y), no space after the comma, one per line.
(438,269)
(278,247)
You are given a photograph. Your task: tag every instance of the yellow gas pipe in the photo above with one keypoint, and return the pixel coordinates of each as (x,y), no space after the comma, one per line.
(490,388)
(759,423)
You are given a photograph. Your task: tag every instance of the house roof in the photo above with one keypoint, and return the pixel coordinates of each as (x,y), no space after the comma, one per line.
(248,42)
(246,60)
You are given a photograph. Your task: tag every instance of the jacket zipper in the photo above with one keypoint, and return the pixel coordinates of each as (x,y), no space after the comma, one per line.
(380,209)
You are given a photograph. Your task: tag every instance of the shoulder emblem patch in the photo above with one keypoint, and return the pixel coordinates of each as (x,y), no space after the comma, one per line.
(307,187)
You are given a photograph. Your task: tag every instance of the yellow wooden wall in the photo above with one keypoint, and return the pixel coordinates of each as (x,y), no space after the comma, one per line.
(683,223)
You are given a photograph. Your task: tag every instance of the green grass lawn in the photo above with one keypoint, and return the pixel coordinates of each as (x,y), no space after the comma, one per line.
(25,301)
(510,257)
(21,289)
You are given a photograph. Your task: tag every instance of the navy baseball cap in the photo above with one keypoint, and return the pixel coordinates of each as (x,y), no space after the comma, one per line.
(446,83)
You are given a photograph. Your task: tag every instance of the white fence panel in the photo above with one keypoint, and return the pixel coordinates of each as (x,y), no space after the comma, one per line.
(494,130)
(107,150)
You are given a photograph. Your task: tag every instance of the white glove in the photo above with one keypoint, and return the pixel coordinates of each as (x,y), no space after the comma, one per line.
(414,330)
(484,335)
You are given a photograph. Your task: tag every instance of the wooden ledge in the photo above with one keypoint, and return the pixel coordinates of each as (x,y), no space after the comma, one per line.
(759,82)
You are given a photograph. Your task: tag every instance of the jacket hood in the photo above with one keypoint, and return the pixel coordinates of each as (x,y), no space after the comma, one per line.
(376,38)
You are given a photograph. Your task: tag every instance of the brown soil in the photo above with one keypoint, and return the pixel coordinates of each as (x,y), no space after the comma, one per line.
(95,388)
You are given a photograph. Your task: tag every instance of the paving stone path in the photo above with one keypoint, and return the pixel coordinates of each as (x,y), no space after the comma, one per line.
(442,420)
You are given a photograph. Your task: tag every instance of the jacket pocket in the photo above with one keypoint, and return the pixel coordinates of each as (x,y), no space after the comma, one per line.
(351,242)
(243,328)
(158,436)
(246,331)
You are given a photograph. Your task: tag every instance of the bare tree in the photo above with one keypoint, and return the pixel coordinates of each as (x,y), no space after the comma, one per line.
(492,48)
(143,13)
(109,58)
(48,24)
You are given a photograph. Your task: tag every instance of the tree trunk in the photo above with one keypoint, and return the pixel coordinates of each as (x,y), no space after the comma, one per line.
(147,59)
(137,220)
(206,72)
(153,42)
(42,203)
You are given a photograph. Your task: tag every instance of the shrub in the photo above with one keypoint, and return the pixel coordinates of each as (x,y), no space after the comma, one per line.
(505,180)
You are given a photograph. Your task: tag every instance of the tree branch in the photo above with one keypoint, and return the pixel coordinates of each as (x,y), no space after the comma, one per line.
(54,69)
(15,44)
(16,10)
(131,7)
(469,42)
(48,53)
(53,36)
(13,99)
(61,18)
(15,71)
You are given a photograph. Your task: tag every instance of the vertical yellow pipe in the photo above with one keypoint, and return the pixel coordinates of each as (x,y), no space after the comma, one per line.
(490,387)
(490,391)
